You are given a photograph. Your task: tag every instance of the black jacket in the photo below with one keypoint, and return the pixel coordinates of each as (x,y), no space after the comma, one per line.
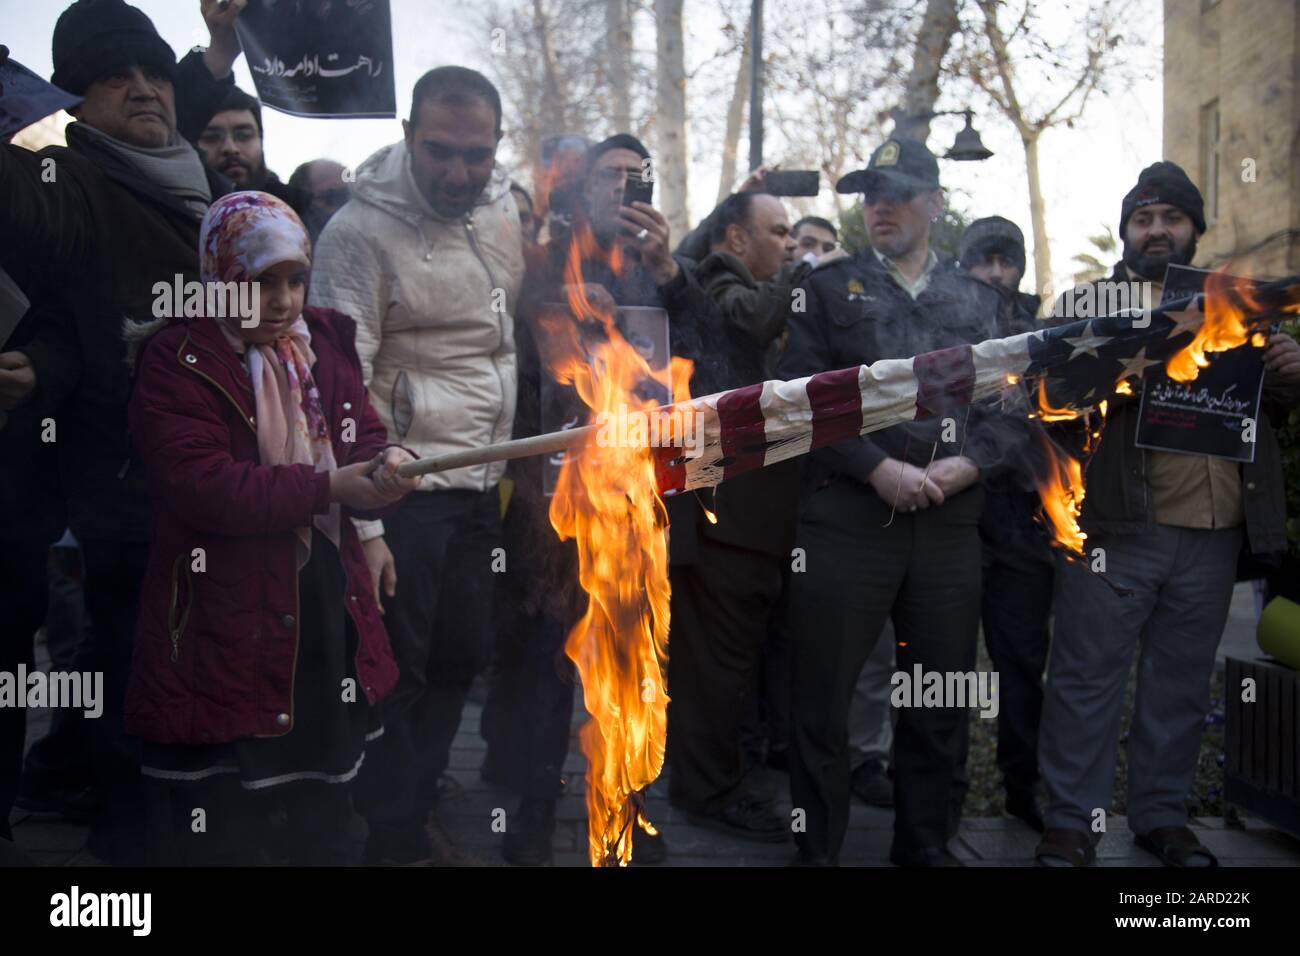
(104,235)
(738,335)
(856,314)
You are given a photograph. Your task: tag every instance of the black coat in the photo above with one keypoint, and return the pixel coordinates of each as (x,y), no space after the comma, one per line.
(104,235)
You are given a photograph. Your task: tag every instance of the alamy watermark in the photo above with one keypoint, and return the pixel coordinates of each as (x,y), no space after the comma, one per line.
(215,300)
(669,428)
(76,690)
(923,688)
(1094,299)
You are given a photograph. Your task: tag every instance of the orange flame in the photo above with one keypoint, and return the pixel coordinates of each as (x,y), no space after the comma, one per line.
(1046,411)
(1061,491)
(606,499)
(1228,300)
(1122,387)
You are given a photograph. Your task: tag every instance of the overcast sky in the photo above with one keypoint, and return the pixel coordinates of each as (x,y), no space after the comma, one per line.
(1086,170)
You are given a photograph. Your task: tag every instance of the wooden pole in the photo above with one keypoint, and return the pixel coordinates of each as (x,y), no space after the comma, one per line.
(502,451)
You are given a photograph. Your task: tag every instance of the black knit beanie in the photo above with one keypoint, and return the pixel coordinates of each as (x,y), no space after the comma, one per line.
(1164,182)
(984,237)
(95,37)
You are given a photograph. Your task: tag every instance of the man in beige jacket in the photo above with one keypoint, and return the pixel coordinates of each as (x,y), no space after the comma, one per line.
(427,259)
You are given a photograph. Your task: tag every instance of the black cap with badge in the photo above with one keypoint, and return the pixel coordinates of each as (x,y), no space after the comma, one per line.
(903,163)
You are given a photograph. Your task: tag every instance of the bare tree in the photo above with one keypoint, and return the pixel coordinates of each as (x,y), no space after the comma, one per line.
(670,115)
(997,57)
(618,37)
(921,92)
(735,117)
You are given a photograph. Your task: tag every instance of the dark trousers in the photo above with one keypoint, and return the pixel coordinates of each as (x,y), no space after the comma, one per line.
(23,596)
(1017,606)
(532,703)
(300,824)
(439,625)
(766,727)
(721,605)
(62,759)
(114,570)
(923,572)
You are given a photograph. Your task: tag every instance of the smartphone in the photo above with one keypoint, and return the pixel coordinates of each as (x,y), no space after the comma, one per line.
(638,189)
(791,182)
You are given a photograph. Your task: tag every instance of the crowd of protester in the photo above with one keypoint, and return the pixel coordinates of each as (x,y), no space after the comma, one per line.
(289,630)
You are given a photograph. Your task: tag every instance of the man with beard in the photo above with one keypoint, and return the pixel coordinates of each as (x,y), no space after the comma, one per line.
(427,258)
(1171,527)
(231,143)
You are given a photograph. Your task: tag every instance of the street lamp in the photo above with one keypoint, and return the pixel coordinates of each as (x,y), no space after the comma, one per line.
(967,147)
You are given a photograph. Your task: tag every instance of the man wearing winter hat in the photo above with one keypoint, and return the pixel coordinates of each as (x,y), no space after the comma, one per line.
(1171,527)
(101,221)
(1016,604)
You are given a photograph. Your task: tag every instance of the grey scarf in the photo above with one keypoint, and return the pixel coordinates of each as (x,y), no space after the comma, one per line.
(176,168)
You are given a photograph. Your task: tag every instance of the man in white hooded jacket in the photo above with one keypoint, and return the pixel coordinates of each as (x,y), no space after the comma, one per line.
(427,259)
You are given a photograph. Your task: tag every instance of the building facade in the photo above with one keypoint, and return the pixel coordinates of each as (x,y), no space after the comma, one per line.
(1232,120)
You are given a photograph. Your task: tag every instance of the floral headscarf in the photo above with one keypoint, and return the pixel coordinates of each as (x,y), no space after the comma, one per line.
(243,235)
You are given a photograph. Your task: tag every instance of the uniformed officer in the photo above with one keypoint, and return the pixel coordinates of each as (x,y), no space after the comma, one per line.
(888,521)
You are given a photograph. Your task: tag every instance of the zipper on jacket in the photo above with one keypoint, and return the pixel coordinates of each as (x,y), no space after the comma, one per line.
(176,628)
(501,331)
(217,386)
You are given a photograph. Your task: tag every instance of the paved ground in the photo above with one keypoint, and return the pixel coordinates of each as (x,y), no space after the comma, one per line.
(468,812)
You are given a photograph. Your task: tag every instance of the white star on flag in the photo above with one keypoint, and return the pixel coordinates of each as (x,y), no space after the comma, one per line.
(1138,364)
(1086,344)
(1185,321)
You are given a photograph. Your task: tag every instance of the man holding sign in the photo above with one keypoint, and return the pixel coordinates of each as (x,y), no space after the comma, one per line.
(1166,527)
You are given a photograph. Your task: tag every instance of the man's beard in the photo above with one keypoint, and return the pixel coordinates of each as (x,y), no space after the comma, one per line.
(256,176)
(1153,267)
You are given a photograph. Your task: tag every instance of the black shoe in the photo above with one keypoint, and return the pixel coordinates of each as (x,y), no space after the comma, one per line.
(529,833)
(398,846)
(923,856)
(1023,805)
(646,848)
(79,806)
(871,784)
(747,819)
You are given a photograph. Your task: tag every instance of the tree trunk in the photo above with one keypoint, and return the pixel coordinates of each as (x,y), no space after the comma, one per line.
(1038,216)
(553,98)
(922,91)
(618,30)
(735,119)
(670,97)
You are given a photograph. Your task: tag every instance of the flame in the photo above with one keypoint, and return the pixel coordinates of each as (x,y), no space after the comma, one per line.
(606,499)
(1227,302)
(1061,491)
(1046,412)
(1122,387)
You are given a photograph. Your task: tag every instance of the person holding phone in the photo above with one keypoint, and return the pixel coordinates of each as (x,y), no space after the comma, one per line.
(539,597)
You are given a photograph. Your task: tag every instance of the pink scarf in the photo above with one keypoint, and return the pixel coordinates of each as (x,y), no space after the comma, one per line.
(242,235)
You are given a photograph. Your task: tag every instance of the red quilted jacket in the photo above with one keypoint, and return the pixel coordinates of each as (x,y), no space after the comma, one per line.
(216,649)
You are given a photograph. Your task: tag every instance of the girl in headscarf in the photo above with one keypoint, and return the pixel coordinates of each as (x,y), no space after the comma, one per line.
(259,654)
